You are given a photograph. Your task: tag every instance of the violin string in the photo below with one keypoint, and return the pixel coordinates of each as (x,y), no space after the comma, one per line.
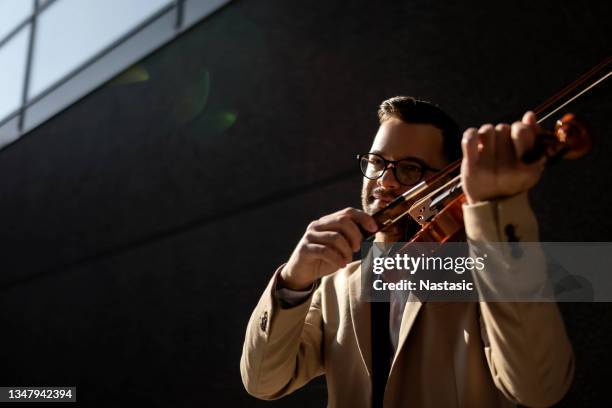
(575,84)
(575,97)
(457,179)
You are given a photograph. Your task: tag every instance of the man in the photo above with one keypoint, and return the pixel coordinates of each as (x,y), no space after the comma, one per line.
(312,318)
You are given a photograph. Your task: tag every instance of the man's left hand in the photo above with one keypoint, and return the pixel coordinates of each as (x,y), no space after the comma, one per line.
(491,166)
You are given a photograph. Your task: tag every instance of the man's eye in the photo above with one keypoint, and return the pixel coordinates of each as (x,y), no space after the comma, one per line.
(409,168)
(375,160)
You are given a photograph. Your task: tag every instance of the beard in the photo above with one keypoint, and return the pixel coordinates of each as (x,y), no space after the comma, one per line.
(403,229)
(368,201)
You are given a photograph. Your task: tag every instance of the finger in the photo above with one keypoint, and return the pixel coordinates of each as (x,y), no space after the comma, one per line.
(351,229)
(486,136)
(326,254)
(333,239)
(346,227)
(523,138)
(504,151)
(529,118)
(363,219)
(469,146)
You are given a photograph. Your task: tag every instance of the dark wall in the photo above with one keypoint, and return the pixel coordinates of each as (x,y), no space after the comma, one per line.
(140,225)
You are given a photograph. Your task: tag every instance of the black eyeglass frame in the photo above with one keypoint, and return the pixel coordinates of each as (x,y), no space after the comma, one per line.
(424,167)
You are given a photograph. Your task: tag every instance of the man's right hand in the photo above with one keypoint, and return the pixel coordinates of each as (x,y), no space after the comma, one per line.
(327,245)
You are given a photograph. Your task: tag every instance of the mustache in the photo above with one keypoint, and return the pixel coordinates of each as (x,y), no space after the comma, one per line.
(381,192)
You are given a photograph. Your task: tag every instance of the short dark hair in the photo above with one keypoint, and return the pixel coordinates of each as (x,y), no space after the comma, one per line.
(413,110)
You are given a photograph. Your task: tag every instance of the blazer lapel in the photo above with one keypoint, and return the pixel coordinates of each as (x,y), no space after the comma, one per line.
(411,310)
(360,316)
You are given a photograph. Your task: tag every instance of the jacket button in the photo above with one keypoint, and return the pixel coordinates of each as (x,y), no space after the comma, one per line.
(264,321)
(510,231)
(515,249)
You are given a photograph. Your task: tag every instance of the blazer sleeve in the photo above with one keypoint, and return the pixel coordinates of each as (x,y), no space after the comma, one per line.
(282,347)
(527,349)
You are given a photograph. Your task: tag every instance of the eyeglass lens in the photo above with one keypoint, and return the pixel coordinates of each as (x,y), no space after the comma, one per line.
(406,171)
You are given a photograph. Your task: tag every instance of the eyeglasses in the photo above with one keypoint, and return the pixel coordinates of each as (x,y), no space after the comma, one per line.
(407,172)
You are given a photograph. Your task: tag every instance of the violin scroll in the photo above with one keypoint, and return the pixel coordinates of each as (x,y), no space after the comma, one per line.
(571,139)
(575,134)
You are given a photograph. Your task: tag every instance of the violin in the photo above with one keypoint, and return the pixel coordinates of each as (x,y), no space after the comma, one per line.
(435,204)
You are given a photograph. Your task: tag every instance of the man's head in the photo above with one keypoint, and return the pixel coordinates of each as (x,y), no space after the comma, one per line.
(414,130)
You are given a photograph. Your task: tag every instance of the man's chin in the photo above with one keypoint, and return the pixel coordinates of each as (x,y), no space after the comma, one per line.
(371,209)
(375,206)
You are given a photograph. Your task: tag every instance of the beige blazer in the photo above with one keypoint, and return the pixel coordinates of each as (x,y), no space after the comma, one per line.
(449,354)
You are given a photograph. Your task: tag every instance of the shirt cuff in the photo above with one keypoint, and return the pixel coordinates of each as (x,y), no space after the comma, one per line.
(290,298)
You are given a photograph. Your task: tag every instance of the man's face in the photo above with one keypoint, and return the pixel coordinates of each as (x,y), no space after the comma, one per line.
(397,140)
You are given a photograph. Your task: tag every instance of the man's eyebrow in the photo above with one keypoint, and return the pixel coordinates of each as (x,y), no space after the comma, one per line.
(418,159)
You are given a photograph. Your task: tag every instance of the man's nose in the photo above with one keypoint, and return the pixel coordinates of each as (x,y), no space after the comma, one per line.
(388,180)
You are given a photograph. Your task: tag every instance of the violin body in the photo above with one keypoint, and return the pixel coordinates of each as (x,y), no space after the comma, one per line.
(446,226)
